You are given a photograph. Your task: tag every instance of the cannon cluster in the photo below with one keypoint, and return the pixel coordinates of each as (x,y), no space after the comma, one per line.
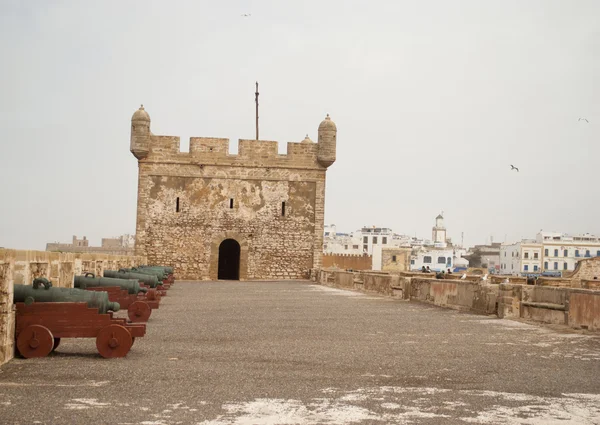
(45,314)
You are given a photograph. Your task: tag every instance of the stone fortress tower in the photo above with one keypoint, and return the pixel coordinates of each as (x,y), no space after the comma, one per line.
(212,215)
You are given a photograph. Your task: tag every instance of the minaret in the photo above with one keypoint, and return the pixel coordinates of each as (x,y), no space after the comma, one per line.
(326,141)
(140,133)
(439,231)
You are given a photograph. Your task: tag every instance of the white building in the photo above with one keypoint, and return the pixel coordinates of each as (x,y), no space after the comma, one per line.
(561,251)
(521,258)
(550,253)
(362,241)
(437,259)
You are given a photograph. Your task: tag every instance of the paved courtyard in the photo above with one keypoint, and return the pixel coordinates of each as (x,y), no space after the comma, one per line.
(297,353)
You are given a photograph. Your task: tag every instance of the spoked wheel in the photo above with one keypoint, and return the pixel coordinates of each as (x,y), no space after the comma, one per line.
(56,343)
(35,341)
(139,311)
(113,341)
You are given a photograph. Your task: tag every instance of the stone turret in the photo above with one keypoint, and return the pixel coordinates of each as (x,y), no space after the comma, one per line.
(327,141)
(140,133)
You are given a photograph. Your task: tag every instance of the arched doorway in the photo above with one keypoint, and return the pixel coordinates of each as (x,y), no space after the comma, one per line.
(229,260)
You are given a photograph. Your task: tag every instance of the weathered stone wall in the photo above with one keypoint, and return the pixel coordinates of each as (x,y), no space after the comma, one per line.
(395,259)
(478,297)
(587,269)
(347,261)
(7,316)
(577,308)
(21,267)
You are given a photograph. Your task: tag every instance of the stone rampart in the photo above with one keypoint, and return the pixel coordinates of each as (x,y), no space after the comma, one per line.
(21,267)
(575,307)
(347,261)
(478,297)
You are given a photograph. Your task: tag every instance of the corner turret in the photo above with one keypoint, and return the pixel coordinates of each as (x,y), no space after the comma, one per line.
(140,133)
(327,141)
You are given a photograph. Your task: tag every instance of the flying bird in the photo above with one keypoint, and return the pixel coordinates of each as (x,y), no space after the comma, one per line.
(512,167)
(484,278)
(246,15)
(583,119)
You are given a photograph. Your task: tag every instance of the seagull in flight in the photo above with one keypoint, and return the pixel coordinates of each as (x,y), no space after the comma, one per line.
(583,119)
(512,167)
(246,15)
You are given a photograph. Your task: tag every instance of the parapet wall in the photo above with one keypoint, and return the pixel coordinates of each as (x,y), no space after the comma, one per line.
(215,151)
(21,267)
(478,297)
(574,307)
(347,261)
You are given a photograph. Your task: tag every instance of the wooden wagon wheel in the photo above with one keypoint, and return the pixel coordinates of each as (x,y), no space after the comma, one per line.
(56,343)
(35,341)
(113,341)
(139,311)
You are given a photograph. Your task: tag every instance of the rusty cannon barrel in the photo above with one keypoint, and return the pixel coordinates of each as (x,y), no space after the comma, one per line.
(89,280)
(146,279)
(47,294)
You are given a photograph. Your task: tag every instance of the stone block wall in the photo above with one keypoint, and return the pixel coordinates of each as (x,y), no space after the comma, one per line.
(574,307)
(347,261)
(22,267)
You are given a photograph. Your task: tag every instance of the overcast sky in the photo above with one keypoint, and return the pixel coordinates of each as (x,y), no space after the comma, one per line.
(433,100)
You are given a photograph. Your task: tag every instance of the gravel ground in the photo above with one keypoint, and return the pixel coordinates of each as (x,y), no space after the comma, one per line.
(297,353)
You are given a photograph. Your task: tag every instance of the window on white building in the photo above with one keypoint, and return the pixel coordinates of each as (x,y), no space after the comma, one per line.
(555,265)
(545,265)
(566,253)
(556,252)
(384,240)
(354,246)
(535,255)
(427,260)
(535,268)
(525,267)
(365,239)
(441,260)
(526,255)
(374,240)
(565,266)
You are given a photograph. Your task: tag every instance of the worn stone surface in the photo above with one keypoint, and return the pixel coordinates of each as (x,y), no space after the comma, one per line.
(295,353)
(271,204)
(395,259)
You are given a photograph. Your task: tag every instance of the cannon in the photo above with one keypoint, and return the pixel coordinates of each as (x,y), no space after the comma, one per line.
(45,315)
(160,274)
(146,279)
(90,280)
(166,271)
(138,301)
(29,294)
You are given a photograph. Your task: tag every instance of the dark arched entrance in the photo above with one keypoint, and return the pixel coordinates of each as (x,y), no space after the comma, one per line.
(229,260)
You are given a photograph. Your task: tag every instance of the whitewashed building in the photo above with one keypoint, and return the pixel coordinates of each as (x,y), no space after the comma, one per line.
(549,253)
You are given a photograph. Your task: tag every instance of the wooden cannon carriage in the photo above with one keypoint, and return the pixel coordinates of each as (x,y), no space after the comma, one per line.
(41,326)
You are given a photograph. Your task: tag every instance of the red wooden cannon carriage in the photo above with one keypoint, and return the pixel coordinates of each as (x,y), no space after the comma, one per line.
(139,306)
(41,325)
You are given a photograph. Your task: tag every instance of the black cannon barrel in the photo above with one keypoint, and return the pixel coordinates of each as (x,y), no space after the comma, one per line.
(99,300)
(89,280)
(146,279)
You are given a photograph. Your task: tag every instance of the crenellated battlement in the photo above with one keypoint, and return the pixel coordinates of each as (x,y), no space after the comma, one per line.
(148,147)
